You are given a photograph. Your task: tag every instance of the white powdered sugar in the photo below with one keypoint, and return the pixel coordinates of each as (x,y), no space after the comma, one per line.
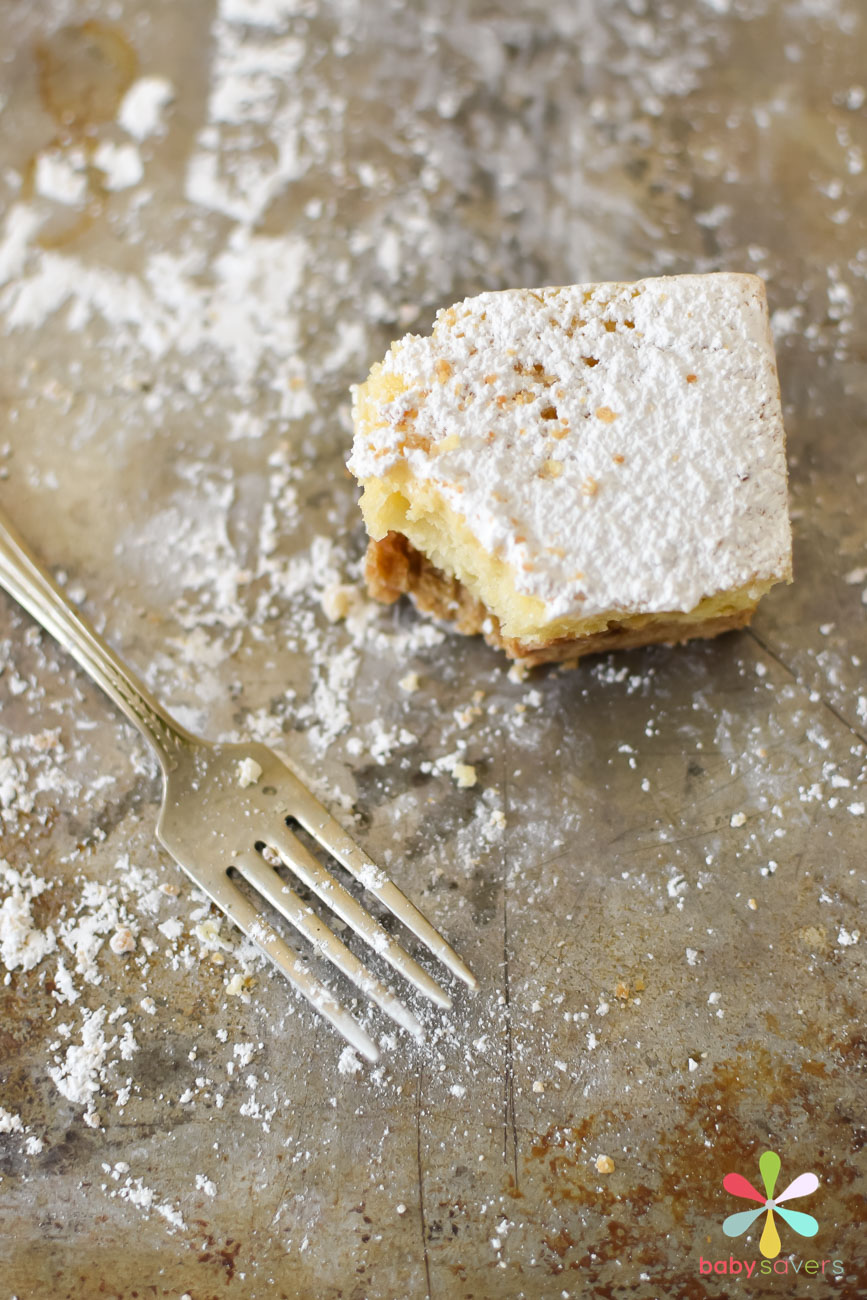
(9,1122)
(22,944)
(141,110)
(620,446)
(77,1077)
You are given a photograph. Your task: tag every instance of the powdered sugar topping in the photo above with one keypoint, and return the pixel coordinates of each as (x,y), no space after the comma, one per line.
(620,446)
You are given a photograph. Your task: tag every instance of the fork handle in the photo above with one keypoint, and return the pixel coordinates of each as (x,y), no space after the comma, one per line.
(29,582)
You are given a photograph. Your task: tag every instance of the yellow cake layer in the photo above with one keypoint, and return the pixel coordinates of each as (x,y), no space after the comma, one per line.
(397,502)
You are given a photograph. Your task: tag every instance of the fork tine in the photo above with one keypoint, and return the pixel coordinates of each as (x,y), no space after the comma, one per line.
(314,875)
(240,910)
(316,819)
(265,879)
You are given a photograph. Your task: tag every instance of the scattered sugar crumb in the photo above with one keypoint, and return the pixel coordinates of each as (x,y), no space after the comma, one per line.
(171,929)
(120,164)
(61,176)
(348,1062)
(122,941)
(10,1123)
(141,110)
(22,944)
(77,1075)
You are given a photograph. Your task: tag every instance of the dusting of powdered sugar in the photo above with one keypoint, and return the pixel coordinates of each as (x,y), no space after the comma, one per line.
(280,232)
(22,943)
(621,447)
(143,105)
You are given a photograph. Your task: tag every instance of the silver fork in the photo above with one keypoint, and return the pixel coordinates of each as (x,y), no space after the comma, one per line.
(226,807)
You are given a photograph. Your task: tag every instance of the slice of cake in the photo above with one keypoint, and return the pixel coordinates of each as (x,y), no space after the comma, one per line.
(568,470)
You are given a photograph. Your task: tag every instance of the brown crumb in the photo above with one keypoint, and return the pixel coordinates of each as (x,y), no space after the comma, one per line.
(605,414)
(692,379)
(618,459)
(590,487)
(443,370)
(551,469)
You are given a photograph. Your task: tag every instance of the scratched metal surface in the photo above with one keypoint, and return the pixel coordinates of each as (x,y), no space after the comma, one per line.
(667,928)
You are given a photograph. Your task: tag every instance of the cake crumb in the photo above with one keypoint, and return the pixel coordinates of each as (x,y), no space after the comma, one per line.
(249,772)
(409,683)
(604,1165)
(338,600)
(464,775)
(738,819)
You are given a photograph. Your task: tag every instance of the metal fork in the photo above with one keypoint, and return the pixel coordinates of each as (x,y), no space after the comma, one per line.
(226,807)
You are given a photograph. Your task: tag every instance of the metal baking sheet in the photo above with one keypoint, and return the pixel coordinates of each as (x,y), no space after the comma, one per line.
(215,216)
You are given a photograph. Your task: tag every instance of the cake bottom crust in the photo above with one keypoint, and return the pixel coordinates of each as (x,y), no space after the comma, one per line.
(393,567)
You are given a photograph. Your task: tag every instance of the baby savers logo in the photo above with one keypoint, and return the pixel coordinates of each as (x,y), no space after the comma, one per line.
(769,1167)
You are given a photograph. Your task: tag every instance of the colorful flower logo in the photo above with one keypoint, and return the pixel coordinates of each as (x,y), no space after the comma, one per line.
(769,1167)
